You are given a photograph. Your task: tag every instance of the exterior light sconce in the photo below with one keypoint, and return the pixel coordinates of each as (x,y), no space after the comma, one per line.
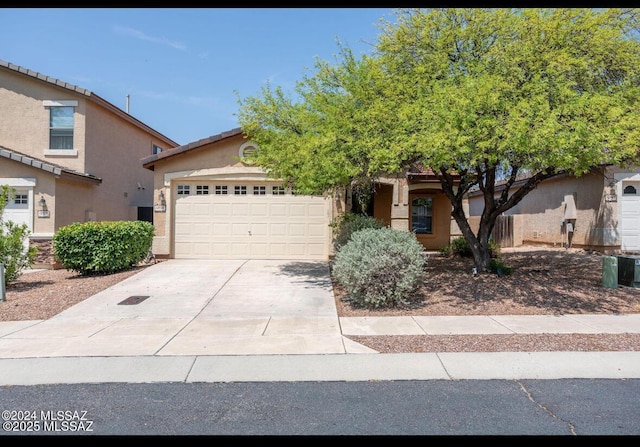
(43,211)
(162,206)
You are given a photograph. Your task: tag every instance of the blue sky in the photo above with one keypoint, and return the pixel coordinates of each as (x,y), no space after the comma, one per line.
(182,67)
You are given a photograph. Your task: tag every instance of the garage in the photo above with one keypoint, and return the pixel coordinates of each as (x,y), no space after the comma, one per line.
(211,202)
(248,220)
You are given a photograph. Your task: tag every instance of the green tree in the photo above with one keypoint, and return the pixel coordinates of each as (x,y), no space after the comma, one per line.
(479,96)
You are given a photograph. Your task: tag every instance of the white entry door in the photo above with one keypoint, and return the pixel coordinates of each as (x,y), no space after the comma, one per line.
(19,208)
(250,220)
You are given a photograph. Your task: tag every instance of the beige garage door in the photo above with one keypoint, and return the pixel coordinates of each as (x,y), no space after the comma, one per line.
(257,220)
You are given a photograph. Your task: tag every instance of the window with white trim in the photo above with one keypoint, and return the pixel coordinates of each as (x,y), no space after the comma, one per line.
(277,190)
(240,190)
(21,199)
(629,190)
(259,190)
(221,190)
(61,127)
(202,190)
(184,190)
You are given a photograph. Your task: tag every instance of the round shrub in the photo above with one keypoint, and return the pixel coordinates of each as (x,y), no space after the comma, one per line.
(348,223)
(102,247)
(380,267)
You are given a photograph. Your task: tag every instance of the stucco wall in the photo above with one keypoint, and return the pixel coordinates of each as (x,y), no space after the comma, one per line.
(24,126)
(543,212)
(44,187)
(117,148)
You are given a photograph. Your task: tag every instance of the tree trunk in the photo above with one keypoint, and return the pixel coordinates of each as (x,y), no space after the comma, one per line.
(479,244)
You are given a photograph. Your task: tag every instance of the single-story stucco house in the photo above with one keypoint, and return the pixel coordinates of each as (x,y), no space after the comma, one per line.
(599,210)
(208,203)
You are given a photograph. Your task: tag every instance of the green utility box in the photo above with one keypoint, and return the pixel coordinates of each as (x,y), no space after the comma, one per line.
(610,272)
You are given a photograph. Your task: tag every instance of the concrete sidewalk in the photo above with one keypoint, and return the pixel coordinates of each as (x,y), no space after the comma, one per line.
(210,321)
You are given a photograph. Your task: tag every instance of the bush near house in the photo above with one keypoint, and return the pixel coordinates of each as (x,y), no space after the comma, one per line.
(348,223)
(102,247)
(460,247)
(380,267)
(15,256)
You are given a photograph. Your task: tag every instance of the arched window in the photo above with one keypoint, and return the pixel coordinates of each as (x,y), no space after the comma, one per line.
(630,190)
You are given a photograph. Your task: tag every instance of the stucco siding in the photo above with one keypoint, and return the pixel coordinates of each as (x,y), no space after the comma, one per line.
(25,120)
(544,220)
(117,148)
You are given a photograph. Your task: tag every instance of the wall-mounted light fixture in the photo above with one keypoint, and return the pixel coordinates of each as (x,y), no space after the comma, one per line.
(162,206)
(43,211)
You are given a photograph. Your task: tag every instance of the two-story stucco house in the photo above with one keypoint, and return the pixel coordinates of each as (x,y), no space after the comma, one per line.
(70,156)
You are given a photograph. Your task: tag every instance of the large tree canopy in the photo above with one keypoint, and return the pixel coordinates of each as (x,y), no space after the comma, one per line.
(487,94)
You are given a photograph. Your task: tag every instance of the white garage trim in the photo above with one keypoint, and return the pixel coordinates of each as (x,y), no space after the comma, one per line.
(628,211)
(226,173)
(215,223)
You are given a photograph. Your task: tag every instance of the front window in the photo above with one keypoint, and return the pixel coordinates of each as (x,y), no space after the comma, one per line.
(422,215)
(240,190)
(202,190)
(277,190)
(259,190)
(155,149)
(61,127)
(221,190)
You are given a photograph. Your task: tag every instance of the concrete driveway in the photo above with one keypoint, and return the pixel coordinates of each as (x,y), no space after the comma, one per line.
(195,307)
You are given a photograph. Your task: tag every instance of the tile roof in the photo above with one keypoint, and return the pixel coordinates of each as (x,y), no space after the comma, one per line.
(52,168)
(149,161)
(90,95)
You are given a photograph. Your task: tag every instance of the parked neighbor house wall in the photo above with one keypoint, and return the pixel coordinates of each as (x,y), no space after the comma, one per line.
(120,147)
(544,212)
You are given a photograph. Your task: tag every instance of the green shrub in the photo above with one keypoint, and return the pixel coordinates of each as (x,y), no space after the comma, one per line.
(102,247)
(14,256)
(460,247)
(380,267)
(500,268)
(348,223)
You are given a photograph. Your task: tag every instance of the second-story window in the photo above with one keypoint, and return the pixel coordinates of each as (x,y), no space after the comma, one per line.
(61,127)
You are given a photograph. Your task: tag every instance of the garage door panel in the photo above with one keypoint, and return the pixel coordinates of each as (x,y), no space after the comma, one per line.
(240,210)
(259,249)
(297,229)
(221,229)
(297,210)
(278,210)
(239,229)
(259,229)
(251,226)
(259,210)
(278,229)
(221,209)
(240,249)
(202,229)
(316,230)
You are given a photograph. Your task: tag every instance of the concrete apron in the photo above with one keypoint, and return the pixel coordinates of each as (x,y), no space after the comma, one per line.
(195,307)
